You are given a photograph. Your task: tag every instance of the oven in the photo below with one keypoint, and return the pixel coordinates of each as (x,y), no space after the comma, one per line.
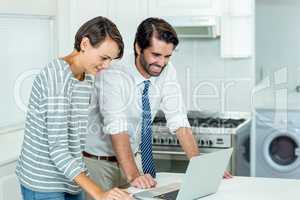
(211,134)
(174,160)
(169,156)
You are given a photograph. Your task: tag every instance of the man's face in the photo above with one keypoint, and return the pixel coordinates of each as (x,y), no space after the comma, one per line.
(154,58)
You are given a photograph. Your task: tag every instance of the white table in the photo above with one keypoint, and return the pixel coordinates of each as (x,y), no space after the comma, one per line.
(245,188)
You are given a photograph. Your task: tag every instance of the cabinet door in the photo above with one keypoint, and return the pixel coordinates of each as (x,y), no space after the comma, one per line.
(27,32)
(82,11)
(236,37)
(237,7)
(237,28)
(127,17)
(28,7)
(182,8)
(9,185)
(72,14)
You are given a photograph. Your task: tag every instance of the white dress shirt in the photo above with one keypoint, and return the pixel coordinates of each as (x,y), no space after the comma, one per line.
(116,106)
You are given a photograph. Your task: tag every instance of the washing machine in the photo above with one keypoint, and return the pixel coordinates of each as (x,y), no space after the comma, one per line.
(276,143)
(242,150)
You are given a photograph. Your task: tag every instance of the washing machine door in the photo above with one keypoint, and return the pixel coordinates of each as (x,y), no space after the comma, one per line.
(282,151)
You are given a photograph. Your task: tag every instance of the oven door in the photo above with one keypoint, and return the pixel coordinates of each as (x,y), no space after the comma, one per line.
(173,159)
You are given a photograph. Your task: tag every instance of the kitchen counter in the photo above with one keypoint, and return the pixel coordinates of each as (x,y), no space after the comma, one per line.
(245,188)
(10,146)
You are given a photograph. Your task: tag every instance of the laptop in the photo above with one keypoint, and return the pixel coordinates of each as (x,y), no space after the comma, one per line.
(202,178)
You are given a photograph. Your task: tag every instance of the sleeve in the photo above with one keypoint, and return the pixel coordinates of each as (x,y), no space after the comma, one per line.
(56,116)
(114,96)
(172,102)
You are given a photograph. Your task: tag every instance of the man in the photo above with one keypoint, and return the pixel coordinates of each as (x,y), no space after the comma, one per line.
(124,104)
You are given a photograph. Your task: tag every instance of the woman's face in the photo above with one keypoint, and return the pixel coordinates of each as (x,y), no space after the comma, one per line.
(99,58)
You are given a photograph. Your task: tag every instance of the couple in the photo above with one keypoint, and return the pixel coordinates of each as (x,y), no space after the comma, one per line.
(117,113)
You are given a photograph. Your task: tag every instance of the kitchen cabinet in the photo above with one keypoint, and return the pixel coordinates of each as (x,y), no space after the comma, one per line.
(126,15)
(29,7)
(237,29)
(10,147)
(237,7)
(28,36)
(9,185)
(183,8)
(237,19)
(236,37)
(82,11)
(71,15)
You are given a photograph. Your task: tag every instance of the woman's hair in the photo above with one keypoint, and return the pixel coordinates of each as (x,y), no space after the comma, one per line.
(154,27)
(97,30)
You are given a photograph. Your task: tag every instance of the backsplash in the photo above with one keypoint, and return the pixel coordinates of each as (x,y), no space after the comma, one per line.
(209,82)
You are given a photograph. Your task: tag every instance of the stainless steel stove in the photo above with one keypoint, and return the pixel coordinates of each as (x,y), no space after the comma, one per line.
(212,131)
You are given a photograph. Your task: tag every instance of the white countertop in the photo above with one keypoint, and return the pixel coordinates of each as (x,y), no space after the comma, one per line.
(10,146)
(245,188)
(252,188)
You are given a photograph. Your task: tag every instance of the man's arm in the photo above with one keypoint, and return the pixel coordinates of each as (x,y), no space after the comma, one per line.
(187,141)
(121,146)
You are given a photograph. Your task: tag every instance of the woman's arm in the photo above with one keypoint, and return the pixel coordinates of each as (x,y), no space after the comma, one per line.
(95,191)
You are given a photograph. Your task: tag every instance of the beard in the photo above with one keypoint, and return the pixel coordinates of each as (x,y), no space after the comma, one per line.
(147,66)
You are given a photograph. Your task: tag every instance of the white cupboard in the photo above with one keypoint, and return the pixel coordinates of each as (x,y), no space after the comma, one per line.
(183,8)
(10,147)
(9,185)
(237,29)
(237,19)
(125,14)
(28,36)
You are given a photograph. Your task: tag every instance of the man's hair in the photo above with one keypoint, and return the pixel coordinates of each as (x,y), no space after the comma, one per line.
(97,30)
(154,27)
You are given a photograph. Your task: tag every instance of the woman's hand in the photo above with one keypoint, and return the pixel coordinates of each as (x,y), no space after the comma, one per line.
(114,194)
(97,193)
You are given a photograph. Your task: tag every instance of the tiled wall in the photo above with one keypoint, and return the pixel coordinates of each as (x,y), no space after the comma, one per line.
(210,82)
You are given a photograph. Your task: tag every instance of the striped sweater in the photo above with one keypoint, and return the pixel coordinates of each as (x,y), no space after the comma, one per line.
(55,129)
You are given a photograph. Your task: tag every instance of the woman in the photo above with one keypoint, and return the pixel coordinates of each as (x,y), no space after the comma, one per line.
(50,165)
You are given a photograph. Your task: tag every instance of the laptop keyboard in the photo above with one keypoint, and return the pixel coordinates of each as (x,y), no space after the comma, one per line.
(169,195)
(165,189)
(168,192)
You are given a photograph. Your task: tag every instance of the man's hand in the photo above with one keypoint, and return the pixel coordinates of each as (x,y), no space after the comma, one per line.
(143,182)
(227,175)
(114,194)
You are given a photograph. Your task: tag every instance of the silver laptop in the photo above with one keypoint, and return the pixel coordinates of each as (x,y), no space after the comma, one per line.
(202,178)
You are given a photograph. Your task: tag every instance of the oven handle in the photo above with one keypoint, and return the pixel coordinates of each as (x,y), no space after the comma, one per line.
(168,152)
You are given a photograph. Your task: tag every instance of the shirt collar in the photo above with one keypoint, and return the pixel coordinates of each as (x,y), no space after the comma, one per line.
(90,78)
(138,78)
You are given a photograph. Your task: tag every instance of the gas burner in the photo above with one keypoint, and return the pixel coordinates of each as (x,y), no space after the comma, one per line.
(215,122)
(205,122)
(159,121)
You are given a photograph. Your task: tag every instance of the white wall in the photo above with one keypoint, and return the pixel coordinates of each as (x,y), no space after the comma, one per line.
(210,82)
(277,39)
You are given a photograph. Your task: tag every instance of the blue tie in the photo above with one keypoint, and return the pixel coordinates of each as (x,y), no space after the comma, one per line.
(146,138)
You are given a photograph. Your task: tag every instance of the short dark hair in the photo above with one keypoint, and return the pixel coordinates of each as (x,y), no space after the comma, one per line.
(156,27)
(97,30)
